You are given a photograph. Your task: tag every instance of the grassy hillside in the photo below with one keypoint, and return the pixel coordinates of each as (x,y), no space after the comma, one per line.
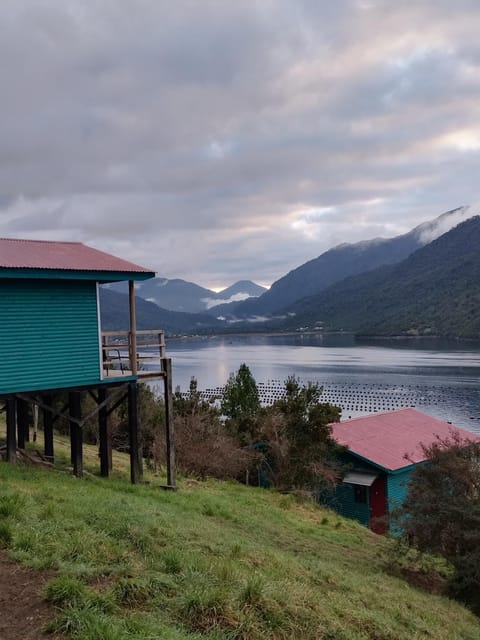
(215,560)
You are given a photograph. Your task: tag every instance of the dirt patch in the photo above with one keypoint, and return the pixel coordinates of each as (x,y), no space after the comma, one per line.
(25,613)
(428,581)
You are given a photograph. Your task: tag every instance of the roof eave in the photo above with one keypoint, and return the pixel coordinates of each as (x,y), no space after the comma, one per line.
(382,468)
(74,274)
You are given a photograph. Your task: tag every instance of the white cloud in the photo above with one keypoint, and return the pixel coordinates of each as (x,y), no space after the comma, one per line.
(214,302)
(431,231)
(220,141)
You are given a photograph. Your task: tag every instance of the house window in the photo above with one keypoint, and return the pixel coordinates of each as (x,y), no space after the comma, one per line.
(360,494)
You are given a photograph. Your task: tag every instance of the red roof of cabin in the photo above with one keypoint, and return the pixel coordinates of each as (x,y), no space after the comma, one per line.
(393,440)
(69,256)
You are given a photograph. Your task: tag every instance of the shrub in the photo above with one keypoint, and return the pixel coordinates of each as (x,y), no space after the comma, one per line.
(65,591)
(441,513)
(203,448)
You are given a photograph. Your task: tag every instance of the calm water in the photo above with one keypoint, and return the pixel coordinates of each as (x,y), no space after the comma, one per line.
(438,377)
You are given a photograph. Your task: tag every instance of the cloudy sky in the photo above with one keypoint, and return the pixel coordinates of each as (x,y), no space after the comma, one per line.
(216,140)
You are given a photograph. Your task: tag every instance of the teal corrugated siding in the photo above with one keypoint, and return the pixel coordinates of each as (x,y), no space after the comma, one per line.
(342,499)
(344,503)
(397,489)
(48,335)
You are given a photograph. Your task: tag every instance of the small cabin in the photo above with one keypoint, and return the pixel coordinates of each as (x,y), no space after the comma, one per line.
(382,451)
(51,342)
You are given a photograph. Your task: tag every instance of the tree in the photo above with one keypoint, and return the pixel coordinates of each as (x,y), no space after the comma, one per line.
(303,453)
(241,403)
(203,446)
(441,513)
(193,403)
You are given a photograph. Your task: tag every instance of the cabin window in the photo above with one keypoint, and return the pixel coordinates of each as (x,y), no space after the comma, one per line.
(360,494)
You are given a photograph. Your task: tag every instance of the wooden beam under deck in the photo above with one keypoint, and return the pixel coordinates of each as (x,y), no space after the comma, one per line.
(117,386)
(11,428)
(76,433)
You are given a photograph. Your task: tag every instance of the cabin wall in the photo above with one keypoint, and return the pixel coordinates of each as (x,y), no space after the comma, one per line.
(346,499)
(345,502)
(397,488)
(48,334)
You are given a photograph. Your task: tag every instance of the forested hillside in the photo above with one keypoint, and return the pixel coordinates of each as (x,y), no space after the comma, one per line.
(436,291)
(115,315)
(345,260)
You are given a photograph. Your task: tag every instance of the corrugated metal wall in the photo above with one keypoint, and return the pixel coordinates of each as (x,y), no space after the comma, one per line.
(346,505)
(48,334)
(342,498)
(397,488)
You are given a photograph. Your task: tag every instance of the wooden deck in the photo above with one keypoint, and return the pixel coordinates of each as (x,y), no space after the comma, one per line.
(116,374)
(117,353)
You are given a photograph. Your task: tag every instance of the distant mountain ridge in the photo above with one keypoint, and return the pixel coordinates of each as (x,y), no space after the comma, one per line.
(435,291)
(187,297)
(345,260)
(114,308)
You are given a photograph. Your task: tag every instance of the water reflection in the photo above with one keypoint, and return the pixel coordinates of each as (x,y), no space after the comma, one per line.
(443,375)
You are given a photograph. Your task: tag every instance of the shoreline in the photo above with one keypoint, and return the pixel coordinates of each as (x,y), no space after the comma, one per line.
(351,334)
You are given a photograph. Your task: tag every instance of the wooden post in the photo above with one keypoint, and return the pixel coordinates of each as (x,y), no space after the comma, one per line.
(133,328)
(133,431)
(169,431)
(75,410)
(103,434)
(48,428)
(11,428)
(22,422)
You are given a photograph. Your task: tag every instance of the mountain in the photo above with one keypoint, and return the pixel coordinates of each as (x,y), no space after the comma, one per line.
(430,289)
(435,291)
(114,308)
(184,296)
(241,288)
(346,260)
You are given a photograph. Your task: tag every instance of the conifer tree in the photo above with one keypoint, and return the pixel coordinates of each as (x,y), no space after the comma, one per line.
(241,403)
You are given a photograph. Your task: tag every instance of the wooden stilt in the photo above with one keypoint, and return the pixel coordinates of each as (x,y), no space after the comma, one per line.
(133,431)
(22,422)
(169,431)
(75,410)
(103,434)
(11,428)
(133,328)
(48,428)
(29,416)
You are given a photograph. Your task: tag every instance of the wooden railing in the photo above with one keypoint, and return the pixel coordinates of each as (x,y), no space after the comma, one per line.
(119,357)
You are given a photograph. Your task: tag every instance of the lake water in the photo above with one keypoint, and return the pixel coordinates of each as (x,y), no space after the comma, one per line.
(438,377)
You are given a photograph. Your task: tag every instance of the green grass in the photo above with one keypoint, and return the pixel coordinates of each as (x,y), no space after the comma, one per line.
(215,560)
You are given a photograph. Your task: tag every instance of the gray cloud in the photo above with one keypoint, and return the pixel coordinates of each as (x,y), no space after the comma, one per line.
(216,141)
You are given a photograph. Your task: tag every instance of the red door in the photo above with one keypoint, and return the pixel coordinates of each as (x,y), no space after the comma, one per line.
(378,506)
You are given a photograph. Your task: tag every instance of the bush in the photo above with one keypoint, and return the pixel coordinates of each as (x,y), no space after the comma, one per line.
(203,448)
(241,404)
(441,513)
(300,450)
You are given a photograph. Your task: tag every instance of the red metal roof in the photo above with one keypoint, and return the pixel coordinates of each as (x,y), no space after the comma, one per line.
(70,256)
(393,440)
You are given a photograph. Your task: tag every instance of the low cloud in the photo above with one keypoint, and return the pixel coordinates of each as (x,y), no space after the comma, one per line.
(444,223)
(214,302)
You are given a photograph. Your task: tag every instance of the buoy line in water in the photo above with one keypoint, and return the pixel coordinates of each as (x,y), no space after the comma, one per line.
(353,397)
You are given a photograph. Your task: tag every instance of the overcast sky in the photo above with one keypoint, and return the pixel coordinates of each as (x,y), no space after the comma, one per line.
(216,140)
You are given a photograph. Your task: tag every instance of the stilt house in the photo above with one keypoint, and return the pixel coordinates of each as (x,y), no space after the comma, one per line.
(382,451)
(51,344)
